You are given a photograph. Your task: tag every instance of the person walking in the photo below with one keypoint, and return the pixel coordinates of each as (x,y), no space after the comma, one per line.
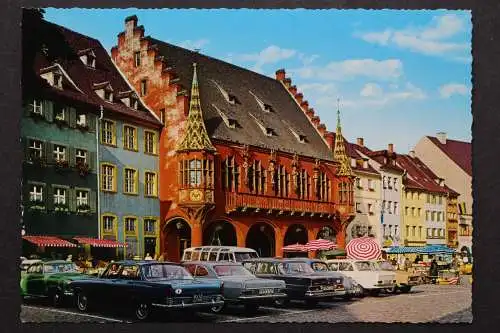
(148,257)
(433,271)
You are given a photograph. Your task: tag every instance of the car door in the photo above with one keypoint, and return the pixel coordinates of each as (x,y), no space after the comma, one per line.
(105,291)
(126,287)
(35,280)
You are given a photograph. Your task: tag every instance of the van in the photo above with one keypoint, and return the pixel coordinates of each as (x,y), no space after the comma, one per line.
(218,253)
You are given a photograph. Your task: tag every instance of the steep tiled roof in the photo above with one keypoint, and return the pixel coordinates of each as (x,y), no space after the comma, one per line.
(352,152)
(384,158)
(64,47)
(419,176)
(458,151)
(278,111)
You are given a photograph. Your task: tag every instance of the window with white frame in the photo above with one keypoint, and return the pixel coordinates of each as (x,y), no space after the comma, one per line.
(81,120)
(358,182)
(419,212)
(389,207)
(130,181)
(35,149)
(389,185)
(36,193)
(358,207)
(412,211)
(108,177)
(395,184)
(150,184)
(37,106)
(149,226)
(137,58)
(370,184)
(130,137)
(395,208)
(60,113)
(81,156)
(130,224)
(370,208)
(433,216)
(414,228)
(59,153)
(383,205)
(82,198)
(107,223)
(60,196)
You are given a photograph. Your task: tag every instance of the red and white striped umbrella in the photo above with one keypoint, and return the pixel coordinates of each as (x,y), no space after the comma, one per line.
(363,248)
(320,244)
(295,248)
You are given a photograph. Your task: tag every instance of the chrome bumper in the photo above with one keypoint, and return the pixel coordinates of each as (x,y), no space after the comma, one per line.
(269,296)
(188,305)
(333,293)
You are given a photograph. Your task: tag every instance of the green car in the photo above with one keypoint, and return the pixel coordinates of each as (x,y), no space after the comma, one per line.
(50,279)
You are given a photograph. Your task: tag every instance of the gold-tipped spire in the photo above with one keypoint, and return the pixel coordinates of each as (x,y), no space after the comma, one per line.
(339,152)
(195,136)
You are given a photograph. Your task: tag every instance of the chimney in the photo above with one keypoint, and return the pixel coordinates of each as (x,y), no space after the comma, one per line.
(441,137)
(280,74)
(412,153)
(360,142)
(130,24)
(293,90)
(288,82)
(390,148)
(299,98)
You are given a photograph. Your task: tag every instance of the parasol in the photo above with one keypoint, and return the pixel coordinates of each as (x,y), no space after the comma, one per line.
(320,244)
(295,248)
(364,248)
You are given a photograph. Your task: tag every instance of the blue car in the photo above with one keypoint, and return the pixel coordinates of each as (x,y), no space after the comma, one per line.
(142,286)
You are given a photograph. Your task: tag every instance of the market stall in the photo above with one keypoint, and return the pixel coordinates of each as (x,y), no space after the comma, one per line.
(47,247)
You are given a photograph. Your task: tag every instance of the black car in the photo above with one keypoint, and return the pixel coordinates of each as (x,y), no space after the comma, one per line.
(144,285)
(302,282)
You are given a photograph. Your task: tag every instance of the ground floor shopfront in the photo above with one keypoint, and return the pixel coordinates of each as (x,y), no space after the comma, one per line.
(266,235)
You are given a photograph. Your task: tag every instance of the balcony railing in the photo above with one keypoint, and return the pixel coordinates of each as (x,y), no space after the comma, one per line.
(261,202)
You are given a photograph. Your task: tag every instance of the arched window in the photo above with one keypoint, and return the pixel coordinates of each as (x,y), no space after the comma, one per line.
(196,173)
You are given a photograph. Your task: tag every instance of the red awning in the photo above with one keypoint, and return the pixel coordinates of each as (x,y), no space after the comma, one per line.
(49,241)
(99,242)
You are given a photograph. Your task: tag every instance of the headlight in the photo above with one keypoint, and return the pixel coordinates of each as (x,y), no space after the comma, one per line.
(178,291)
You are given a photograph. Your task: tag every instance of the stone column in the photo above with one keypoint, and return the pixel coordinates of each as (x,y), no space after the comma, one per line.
(278,243)
(196,234)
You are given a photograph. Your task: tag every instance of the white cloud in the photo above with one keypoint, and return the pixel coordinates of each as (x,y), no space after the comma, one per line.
(447,90)
(194,44)
(270,55)
(371,90)
(307,60)
(429,40)
(342,70)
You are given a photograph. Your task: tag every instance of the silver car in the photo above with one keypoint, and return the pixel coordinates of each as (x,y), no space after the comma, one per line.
(239,285)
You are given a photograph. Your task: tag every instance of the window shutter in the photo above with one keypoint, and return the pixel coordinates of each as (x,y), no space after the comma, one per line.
(49,152)
(92,160)
(91,121)
(92,201)
(25,148)
(71,156)
(49,196)
(48,110)
(28,108)
(72,200)
(72,117)
(26,192)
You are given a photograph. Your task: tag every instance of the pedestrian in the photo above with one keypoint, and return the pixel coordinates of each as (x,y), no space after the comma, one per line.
(69,258)
(454,263)
(148,257)
(433,271)
(407,264)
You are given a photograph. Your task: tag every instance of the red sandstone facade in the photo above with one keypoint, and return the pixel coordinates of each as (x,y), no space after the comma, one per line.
(242,214)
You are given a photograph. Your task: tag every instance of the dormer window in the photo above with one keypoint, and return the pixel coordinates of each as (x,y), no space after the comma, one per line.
(230,122)
(365,164)
(108,95)
(88,57)
(104,90)
(231,99)
(135,103)
(137,58)
(353,162)
(58,80)
(300,137)
(265,107)
(53,75)
(266,130)
(270,132)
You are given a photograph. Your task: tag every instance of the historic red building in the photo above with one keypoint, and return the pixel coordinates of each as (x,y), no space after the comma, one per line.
(243,159)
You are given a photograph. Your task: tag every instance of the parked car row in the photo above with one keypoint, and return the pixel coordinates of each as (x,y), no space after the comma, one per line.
(204,285)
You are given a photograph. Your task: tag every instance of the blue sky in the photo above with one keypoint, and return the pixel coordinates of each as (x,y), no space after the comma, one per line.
(399,75)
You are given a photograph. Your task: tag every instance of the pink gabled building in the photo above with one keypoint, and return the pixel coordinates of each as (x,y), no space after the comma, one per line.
(452,161)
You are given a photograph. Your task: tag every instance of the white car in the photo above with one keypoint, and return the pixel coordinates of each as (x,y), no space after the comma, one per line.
(366,273)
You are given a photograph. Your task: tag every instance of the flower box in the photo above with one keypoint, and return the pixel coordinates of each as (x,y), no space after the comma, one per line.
(61,207)
(82,127)
(83,209)
(60,122)
(37,205)
(83,169)
(37,116)
(62,165)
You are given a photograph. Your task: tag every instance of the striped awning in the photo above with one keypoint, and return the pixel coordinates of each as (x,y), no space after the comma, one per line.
(320,244)
(404,249)
(96,242)
(435,249)
(295,248)
(48,241)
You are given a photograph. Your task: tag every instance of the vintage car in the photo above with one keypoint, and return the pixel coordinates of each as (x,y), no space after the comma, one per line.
(25,263)
(146,285)
(302,282)
(352,289)
(365,273)
(50,279)
(240,286)
(405,280)
(218,253)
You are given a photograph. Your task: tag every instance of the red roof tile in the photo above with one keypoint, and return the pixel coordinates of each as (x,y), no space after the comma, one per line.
(458,151)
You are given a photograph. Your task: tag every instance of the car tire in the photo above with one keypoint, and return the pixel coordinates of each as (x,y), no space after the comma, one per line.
(217,308)
(142,311)
(251,308)
(405,289)
(281,302)
(82,302)
(374,292)
(392,290)
(56,298)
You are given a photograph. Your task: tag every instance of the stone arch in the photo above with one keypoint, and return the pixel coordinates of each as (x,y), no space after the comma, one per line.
(261,237)
(327,232)
(177,233)
(220,232)
(296,233)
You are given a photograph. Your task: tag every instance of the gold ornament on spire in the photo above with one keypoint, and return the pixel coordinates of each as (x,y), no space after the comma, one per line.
(195,136)
(339,152)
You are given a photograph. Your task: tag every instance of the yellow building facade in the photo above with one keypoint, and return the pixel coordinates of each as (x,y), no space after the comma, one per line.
(413,217)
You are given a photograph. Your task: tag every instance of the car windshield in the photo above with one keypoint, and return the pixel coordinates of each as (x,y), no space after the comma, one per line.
(241,256)
(365,266)
(295,267)
(319,267)
(165,272)
(385,266)
(231,270)
(60,268)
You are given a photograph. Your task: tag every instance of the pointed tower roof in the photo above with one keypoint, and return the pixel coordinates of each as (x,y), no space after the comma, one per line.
(339,152)
(195,136)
